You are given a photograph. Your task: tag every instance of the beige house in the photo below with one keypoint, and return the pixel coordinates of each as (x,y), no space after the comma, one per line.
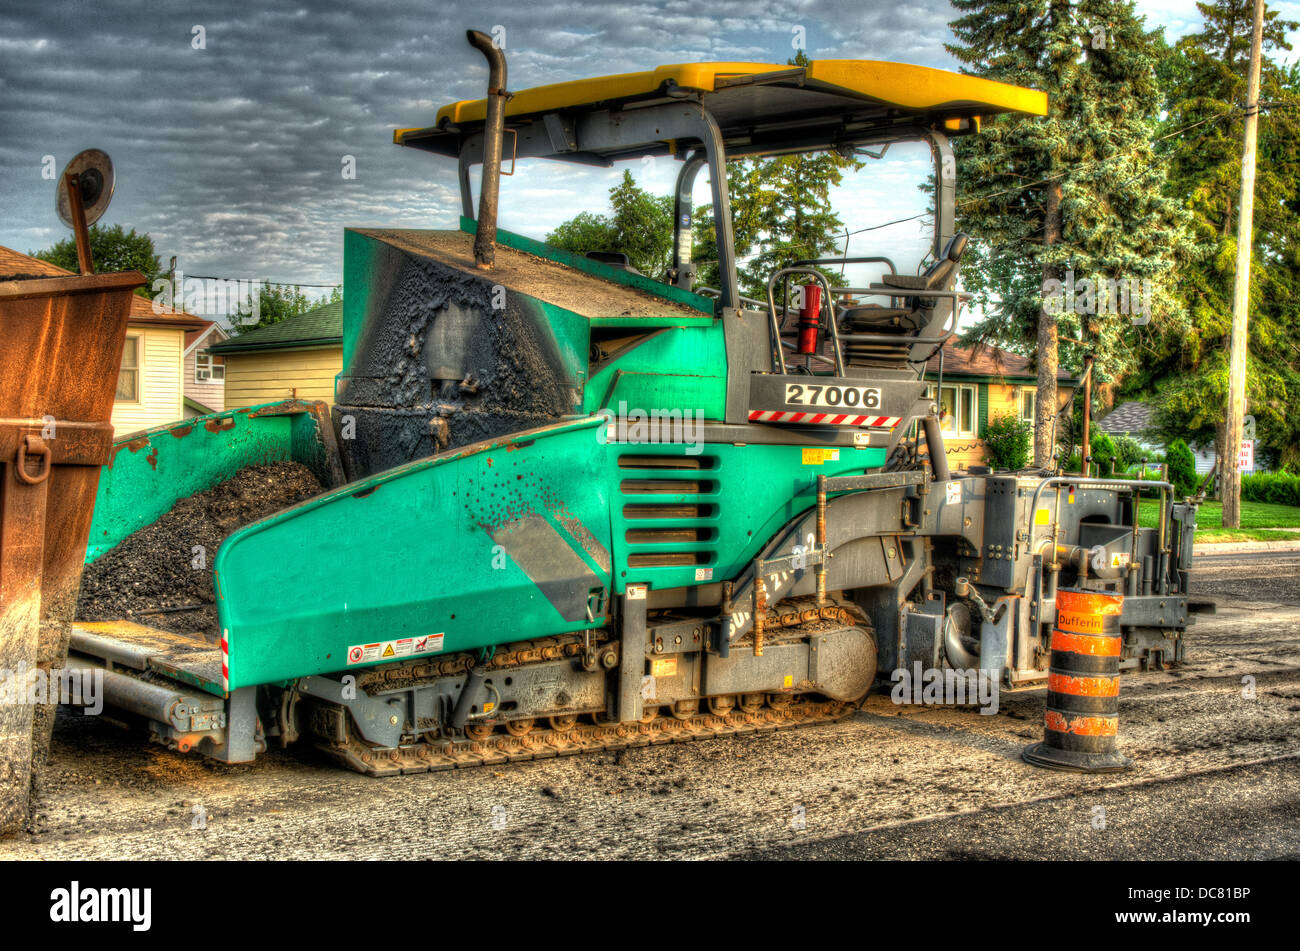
(981,384)
(150,385)
(297,358)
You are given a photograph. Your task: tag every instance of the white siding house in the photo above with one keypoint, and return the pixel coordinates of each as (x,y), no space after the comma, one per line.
(149,388)
(205,374)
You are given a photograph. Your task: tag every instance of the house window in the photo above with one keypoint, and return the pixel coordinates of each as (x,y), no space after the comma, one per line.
(209,368)
(1027,397)
(128,378)
(957,407)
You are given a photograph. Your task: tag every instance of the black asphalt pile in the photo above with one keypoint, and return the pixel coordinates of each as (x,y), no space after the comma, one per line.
(155,576)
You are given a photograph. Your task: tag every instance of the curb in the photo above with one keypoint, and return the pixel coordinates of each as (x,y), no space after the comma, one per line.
(1233,548)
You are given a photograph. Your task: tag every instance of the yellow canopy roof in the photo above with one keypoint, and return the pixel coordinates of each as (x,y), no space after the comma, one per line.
(935,93)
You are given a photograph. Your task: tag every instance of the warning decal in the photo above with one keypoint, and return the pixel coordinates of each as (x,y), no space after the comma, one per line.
(665,667)
(815,457)
(392,650)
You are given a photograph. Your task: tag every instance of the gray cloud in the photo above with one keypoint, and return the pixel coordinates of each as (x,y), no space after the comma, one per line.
(230,156)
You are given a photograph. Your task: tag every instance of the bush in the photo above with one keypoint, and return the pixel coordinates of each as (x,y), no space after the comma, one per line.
(1182,468)
(1151,463)
(1128,453)
(1103,455)
(1275,488)
(1104,458)
(1006,442)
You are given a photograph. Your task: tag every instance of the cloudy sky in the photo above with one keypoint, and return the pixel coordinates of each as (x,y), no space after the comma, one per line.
(231,155)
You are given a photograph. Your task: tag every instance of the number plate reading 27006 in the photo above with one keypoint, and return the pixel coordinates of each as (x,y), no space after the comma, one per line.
(852,397)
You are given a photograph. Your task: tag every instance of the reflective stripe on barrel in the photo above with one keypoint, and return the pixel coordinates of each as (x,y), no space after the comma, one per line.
(1068,641)
(1083,686)
(1082,726)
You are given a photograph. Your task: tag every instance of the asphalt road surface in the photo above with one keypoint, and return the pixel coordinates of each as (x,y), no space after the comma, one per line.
(1216,775)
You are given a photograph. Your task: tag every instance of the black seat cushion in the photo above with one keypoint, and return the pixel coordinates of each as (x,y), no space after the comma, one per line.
(873,317)
(907,282)
(939,276)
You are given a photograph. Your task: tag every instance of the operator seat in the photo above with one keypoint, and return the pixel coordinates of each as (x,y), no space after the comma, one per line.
(915,316)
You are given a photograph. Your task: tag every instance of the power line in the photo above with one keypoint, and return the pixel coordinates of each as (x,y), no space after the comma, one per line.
(1099,161)
(1072,169)
(258,280)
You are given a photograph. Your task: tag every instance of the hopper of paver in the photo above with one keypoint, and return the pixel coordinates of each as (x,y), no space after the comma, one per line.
(438,354)
(149,471)
(175,680)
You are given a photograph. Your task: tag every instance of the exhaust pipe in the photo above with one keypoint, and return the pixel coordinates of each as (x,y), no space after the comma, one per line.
(493,132)
(934,446)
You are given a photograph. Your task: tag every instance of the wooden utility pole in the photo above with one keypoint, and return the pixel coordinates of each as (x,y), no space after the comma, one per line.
(1230,491)
(1085,451)
(1048,339)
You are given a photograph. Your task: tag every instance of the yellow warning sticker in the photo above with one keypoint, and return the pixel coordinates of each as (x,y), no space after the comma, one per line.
(815,457)
(1042,516)
(789,681)
(665,667)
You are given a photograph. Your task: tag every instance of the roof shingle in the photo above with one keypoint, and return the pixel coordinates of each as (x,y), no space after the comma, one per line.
(986,361)
(1126,419)
(16,264)
(319,326)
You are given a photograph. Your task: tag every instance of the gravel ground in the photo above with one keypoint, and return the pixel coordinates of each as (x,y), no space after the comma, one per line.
(1217,775)
(153,568)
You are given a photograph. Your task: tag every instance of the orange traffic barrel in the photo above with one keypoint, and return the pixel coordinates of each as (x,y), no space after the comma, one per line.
(1081,724)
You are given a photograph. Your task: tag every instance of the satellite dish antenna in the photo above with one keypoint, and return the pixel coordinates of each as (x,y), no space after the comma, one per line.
(85,189)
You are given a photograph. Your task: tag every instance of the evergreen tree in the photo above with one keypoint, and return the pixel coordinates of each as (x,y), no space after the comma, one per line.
(639,224)
(794,219)
(1078,195)
(1205,84)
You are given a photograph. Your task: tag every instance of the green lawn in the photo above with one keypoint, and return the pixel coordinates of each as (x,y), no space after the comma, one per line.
(1259,521)
(1220,535)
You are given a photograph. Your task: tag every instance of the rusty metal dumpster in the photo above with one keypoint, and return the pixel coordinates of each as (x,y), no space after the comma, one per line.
(61,344)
